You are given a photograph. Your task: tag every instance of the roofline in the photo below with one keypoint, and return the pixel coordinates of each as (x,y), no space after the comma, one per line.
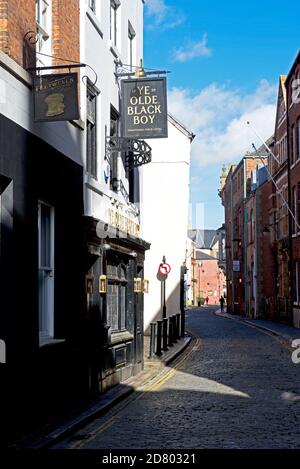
(188,133)
(297,59)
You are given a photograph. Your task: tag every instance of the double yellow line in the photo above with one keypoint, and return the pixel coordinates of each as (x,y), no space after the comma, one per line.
(194,346)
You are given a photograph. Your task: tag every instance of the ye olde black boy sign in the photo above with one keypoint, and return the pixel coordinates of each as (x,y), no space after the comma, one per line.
(55,97)
(144,108)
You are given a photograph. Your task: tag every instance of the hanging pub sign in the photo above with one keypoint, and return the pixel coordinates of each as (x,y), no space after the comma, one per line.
(56,97)
(144,108)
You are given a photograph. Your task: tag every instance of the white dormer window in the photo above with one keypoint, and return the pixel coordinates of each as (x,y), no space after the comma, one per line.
(43,29)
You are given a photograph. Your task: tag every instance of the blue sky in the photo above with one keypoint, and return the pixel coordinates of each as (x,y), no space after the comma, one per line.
(225,58)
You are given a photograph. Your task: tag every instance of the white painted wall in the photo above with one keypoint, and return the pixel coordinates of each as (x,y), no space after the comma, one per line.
(190,254)
(98,51)
(165,197)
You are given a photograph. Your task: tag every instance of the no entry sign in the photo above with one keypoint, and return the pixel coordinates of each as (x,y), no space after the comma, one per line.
(164,268)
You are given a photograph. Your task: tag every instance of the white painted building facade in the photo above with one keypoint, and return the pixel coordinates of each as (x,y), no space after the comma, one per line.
(111,39)
(111,43)
(165,202)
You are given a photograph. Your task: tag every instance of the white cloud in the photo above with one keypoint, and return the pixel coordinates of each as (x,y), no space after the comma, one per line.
(159,14)
(193,50)
(218,116)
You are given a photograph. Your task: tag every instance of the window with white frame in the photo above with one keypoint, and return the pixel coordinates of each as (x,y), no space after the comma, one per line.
(91,130)
(43,28)
(46,271)
(114,5)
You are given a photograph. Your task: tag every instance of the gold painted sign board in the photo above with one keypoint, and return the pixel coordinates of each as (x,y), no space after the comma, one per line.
(56,97)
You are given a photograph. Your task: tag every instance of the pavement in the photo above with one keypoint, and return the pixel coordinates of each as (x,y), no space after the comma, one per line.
(52,433)
(287,334)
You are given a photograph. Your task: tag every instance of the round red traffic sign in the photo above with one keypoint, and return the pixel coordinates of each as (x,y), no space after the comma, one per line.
(164,268)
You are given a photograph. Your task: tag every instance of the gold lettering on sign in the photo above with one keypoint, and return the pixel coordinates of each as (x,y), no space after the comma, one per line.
(144,107)
(122,223)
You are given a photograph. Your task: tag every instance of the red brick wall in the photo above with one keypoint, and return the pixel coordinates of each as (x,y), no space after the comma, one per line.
(16,18)
(294,114)
(210,280)
(65,30)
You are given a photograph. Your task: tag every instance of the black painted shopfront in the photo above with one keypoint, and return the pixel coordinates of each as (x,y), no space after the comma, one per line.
(117,314)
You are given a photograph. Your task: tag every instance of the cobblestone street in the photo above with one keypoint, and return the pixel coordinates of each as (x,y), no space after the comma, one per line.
(236,387)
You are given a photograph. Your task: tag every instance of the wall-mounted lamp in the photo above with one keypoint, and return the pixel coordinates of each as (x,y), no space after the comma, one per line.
(240,280)
(137,285)
(89,281)
(146,286)
(102,284)
(106,247)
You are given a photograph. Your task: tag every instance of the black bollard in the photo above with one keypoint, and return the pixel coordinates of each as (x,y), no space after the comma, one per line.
(152,339)
(174,328)
(158,338)
(182,323)
(178,325)
(165,334)
(170,341)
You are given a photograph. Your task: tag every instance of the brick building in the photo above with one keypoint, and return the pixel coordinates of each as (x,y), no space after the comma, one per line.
(208,276)
(234,195)
(263,260)
(259,281)
(293,124)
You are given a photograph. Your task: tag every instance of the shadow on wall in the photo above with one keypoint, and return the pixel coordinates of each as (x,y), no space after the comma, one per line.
(172,304)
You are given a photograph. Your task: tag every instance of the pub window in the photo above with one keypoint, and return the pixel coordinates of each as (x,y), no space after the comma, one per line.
(43,29)
(116,293)
(91,131)
(114,5)
(114,161)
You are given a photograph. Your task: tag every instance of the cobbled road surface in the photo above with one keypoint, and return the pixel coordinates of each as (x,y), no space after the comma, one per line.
(237,388)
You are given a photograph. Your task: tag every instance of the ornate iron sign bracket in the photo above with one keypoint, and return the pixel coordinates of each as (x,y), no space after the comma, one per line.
(137,152)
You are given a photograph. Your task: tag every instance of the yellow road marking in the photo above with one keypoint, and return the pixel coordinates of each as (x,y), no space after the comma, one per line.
(156,385)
